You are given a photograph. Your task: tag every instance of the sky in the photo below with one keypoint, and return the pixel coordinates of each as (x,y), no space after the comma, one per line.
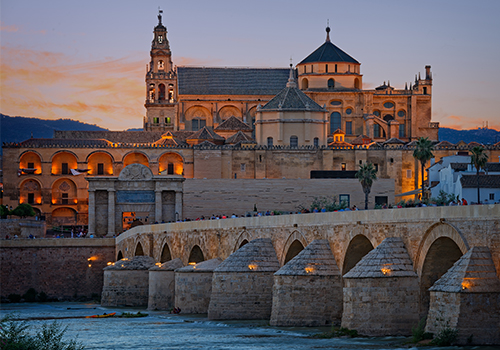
(86,60)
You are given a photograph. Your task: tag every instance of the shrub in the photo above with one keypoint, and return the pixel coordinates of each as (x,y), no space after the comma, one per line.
(23,210)
(14,335)
(30,295)
(418,332)
(42,297)
(445,337)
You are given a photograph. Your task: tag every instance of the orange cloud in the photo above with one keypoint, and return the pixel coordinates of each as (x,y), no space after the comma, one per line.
(9,29)
(463,122)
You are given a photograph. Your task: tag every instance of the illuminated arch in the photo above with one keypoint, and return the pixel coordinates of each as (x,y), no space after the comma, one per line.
(64,192)
(30,191)
(171,163)
(31,160)
(135,158)
(100,157)
(63,162)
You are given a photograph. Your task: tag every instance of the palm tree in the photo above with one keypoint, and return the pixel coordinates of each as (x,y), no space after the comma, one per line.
(366,175)
(479,159)
(423,152)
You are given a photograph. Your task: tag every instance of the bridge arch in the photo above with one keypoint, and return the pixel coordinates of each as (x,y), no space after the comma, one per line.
(243,239)
(442,245)
(138,251)
(165,253)
(119,256)
(359,245)
(196,255)
(293,245)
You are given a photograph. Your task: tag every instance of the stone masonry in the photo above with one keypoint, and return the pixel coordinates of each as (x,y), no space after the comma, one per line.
(162,285)
(308,289)
(126,282)
(467,298)
(193,286)
(243,284)
(381,292)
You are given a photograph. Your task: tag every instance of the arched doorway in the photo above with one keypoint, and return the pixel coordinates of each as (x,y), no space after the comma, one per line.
(357,249)
(441,256)
(295,248)
(165,254)
(196,255)
(138,250)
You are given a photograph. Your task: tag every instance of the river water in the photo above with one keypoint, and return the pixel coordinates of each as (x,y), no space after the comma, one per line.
(161,330)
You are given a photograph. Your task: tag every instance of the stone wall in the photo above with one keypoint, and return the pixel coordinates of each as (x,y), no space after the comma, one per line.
(240,195)
(125,288)
(58,267)
(22,228)
(193,291)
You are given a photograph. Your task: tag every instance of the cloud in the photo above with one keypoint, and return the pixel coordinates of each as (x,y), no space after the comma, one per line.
(463,122)
(54,85)
(9,29)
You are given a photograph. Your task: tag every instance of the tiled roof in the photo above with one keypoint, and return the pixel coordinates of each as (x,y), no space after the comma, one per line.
(233,124)
(338,131)
(230,81)
(239,137)
(445,144)
(340,144)
(389,259)
(316,259)
(292,99)
(359,140)
(394,141)
(205,133)
(474,144)
(492,166)
(485,181)
(257,255)
(135,263)
(474,272)
(113,136)
(63,143)
(328,53)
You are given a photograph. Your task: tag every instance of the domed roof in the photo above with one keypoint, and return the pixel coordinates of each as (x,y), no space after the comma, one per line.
(328,52)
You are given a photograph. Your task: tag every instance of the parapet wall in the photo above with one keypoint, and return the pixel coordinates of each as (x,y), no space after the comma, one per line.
(58,267)
(22,228)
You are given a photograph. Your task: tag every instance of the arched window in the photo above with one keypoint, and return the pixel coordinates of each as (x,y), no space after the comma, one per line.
(171,93)
(294,141)
(331,84)
(151,92)
(198,123)
(376,130)
(402,113)
(161,64)
(269,142)
(161,92)
(305,84)
(356,83)
(316,142)
(335,121)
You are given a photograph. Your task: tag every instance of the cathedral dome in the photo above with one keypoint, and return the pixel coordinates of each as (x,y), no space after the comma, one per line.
(328,52)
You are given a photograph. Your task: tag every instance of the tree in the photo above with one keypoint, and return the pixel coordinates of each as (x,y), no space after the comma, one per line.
(23,210)
(479,159)
(3,212)
(423,152)
(366,175)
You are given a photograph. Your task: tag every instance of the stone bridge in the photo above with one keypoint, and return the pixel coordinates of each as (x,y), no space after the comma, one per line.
(435,237)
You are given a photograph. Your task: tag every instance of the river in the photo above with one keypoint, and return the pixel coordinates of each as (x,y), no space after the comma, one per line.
(161,330)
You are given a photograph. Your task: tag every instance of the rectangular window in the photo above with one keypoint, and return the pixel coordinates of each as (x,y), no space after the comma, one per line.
(100,168)
(492,196)
(345,198)
(408,174)
(402,130)
(170,169)
(243,167)
(64,169)
(64,198)
(348,128)
(156,120)
(376,130)
(326,68)
(31,165)
(31,198)
(168,120)
(380,200)
(269,142)
(343,166)
(376,167)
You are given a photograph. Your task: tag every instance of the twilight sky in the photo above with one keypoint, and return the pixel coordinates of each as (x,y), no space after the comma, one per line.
(86,60)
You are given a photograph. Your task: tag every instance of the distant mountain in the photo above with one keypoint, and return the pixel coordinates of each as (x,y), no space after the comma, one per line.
(481,135)
(17,129)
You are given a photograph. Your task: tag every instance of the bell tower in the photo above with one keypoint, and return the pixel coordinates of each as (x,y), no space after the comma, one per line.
(161,83)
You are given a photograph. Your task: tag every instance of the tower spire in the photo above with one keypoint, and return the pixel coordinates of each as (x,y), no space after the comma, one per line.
(328,31)
(291,79)
(160,11)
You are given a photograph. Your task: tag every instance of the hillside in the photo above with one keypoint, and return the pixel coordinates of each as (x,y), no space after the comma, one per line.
(16,129)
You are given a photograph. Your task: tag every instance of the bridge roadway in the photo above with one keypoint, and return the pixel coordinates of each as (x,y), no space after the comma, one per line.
(435,237)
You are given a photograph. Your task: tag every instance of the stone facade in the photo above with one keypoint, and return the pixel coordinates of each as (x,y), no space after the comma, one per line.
(308,289)
(467,298)
(193,286)
(62,268)
(23,228)
(162,285)
(381,294)
(242,285)
(126,282)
